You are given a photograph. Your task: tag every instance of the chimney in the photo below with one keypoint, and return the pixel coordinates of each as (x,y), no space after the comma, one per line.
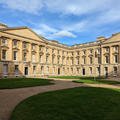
(101,38)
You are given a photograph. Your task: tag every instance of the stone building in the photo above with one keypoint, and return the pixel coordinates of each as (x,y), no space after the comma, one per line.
(25,53)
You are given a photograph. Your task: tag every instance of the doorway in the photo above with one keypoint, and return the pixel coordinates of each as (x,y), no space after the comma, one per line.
(26,70)
(58,71)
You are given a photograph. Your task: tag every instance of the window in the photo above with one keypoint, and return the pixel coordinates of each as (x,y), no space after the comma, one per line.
(67,61)
(58,52)
(52,50)
(115,71)
(91,51)
(90,70)
(25,45)
(42,69)
(77,70)
(106,71)
(33,58)
(106,49)
(53,59)
(15,42)
(40,58)
(116,48)
(40,48)
(77,52)
(68,70)
(91,60)
(4,40)
(72,61)
(99,60)
(4,54)
(106,59)
(63,60)
(15,55)
(25,56)
(46,59)
(5,69)
(63,52)
(115,59)
(98,70)
(77,61)
(46,49)
(34,69)
(53,69)
(33,47)
(72,70)
(16,68)
(84,60)
(98,50)
(63,70)
(58,60)
(47,69)
(72,53)
(84,52)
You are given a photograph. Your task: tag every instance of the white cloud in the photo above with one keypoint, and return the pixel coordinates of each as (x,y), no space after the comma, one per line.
(30,6)
(65,33)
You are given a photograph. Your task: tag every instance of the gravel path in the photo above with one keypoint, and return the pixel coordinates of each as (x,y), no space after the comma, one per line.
(9,98)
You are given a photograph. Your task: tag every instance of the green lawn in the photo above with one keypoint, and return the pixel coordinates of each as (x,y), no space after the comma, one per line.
(22,82)
(83,103)
(76,77)
(98,81)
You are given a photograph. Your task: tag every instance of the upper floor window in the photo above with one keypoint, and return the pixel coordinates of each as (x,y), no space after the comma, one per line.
(72,61)
(98,50)
(53,59)
(25,45)
(58,60)
(15,42)
(77,52)
(15,55)
(99,60)
(4,53)
(52,50)
(46,49)
(106,49)
(25,56)
(63,60)
(84,52)
(77,61)
(72,53)
(63,52)
(115,59)
(58,52)
(91,51)
(106,59)
(33,58)
(46,59)
(84,60)
(91,60)
(40,48)
(33,46)
(116,48)
(40,58)
(4,40)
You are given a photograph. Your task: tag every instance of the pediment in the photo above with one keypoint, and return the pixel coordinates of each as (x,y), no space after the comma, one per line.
(25,32)
(113,38)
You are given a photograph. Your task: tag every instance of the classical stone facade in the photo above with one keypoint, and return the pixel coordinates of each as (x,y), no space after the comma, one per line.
(23,53)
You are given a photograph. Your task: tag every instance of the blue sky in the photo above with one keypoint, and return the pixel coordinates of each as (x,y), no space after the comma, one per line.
(68,21)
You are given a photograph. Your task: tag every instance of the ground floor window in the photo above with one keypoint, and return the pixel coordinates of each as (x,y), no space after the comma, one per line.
(42,69)
(115,71)
(34,69)
(106,71)
(5,69)
(90,70)
(16,69)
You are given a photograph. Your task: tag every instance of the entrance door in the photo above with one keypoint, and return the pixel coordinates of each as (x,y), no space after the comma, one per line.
(58,71)
(26,70)
(83,71)
(5,69)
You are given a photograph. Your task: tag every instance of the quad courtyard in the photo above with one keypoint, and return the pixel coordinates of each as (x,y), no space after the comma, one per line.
(60,98)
